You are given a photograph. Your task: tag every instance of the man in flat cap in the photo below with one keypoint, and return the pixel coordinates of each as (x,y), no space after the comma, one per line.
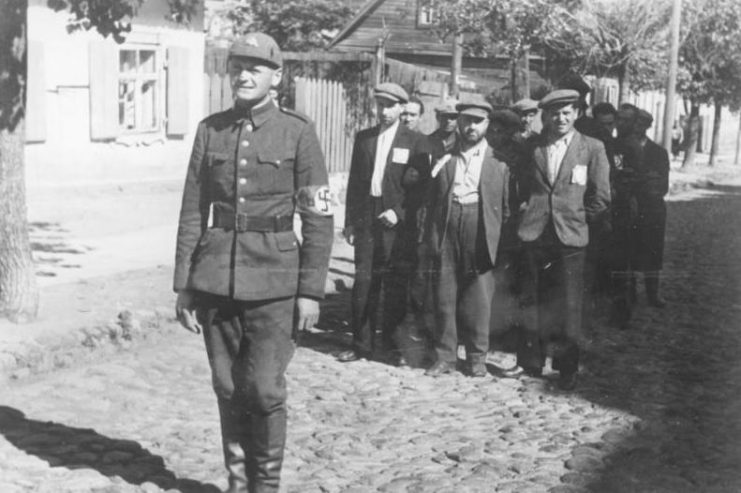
(527,110)
(566,187)
(380,222)
(241,275)
(467,205)
(443,139)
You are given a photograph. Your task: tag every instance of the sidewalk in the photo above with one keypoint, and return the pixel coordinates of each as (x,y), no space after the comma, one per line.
(104,254)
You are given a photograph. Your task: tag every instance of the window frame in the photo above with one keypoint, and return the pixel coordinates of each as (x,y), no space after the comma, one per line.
(423,11)
(140,78)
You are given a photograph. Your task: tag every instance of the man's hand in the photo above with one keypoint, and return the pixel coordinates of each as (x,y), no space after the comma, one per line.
(308,313)
(349,234)
(185,311)
(388,218)
(411,177)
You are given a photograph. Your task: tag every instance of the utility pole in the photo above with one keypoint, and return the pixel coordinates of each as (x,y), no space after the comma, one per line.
(456,64)
(671,83)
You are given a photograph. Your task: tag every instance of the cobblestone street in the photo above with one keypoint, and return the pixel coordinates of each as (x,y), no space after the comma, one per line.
(658,408)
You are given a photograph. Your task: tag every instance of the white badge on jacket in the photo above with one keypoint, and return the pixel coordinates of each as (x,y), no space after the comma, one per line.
(400,155)
(579,175)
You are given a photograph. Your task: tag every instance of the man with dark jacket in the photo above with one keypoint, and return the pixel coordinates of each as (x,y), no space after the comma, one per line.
(565,182)
(467,206)
(240,273)
(380,222)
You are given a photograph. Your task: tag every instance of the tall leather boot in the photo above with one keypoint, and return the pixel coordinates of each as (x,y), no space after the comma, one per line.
(235,430)
(268,435)
(652,289)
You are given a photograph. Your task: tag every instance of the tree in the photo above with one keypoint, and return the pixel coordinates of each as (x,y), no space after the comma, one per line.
(296,25)
(710,64)
(19,295)
(625,39)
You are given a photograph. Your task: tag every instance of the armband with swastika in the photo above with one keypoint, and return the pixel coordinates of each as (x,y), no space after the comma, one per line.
(315,199)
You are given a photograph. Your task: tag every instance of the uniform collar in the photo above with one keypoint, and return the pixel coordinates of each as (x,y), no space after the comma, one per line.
(257,115)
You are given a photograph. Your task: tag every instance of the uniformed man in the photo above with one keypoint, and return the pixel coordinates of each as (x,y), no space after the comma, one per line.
(241,275)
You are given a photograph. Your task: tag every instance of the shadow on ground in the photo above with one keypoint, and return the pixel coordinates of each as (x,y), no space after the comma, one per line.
(78,448)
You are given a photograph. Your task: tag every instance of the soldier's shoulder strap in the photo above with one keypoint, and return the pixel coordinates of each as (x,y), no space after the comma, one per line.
(296,114)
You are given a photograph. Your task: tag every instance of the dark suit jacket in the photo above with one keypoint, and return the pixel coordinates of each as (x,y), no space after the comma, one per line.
(578,196)
(493,202)
(395,195)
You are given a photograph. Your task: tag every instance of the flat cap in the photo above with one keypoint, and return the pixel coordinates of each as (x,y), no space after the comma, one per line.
(389,90)
(258,46)
(447,107)
(645,118)
(506,118)
(481,109)
(559,97)
(525,105)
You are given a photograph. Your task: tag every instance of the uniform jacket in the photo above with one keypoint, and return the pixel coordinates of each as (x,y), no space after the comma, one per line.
(493,202)
(267,164)
(580,194)
(407,146)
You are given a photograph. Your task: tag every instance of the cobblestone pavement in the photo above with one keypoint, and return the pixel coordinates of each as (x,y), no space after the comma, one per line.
(658,408)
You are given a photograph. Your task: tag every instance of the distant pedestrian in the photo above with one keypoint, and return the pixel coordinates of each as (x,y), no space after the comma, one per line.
(566,188)
(412,112)
(467,206)
(380,222)
(240,273)
(677,139)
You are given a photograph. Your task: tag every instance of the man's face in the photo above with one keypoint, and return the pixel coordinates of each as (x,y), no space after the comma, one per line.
(561,119)
(527,119)
(625,121)
(410,115)
(252,79)
(606,123)
(447,122)
(388,111)
(472,128)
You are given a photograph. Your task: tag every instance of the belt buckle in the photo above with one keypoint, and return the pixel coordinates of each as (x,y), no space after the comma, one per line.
(240,222)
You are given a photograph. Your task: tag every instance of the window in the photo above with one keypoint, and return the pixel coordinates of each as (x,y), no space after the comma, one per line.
(425,16)
(138,90)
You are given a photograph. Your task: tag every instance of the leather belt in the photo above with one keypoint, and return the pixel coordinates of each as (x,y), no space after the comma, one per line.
(241,223)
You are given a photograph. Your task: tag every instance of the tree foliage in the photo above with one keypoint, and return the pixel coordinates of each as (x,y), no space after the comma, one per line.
(296,25)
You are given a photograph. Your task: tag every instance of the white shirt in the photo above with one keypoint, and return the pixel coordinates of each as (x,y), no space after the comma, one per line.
(383,147)
(468,173)
(556,151)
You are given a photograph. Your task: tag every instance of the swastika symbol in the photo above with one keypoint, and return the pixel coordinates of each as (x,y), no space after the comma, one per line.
(323,200)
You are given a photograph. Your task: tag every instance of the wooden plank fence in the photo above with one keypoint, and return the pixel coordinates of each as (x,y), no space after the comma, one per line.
(325,103)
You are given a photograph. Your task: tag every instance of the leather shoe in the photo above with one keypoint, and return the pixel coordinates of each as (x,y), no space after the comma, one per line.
(567,381)
(440,368)
(519,372)
(351,355)
(478,370)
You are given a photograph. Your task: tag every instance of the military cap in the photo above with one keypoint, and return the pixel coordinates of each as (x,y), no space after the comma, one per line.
(389,90)
(644,117)
(480,110)
(447,107)
(559,97)
(525,105)
(507,118)
(258,46)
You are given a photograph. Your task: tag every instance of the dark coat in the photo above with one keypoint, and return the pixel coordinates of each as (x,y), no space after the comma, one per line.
(263,166)
(394,194)
(652,184)
(570,203)
(493,203)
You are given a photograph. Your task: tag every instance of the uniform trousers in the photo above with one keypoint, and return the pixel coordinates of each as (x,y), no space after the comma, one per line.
(463,286)
(384,261)
(552,303)
(249,346)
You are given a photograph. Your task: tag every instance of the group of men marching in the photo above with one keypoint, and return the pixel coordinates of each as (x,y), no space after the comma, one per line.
(430,218)
(439,221)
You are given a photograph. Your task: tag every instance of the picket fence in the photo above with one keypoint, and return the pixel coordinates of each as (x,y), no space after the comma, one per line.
(324,101)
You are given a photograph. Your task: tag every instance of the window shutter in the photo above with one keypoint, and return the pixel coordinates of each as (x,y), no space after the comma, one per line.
(178,90)
(36,93)
(103,90)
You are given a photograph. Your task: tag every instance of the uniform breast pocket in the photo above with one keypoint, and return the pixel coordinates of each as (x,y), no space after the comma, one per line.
(220,172)
(275,172)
